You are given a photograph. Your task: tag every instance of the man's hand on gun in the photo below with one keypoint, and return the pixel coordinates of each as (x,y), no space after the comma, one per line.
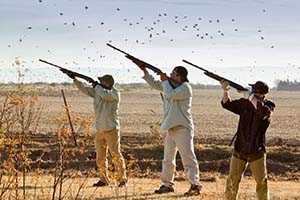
(69,73)
(163,77)
(140,64)
(72,76)
(246,94)
(94,83)
(225,85)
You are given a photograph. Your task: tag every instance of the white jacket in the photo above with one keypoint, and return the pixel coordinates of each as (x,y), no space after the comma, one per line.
(106,105)
(177,103)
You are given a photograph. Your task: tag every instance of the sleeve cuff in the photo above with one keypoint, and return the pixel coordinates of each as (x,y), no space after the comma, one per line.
(165,83)
(224,105)
(98,87)
(146,76)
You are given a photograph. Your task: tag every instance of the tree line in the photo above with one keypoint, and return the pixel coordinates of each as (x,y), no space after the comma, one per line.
(287,85)
(281,85)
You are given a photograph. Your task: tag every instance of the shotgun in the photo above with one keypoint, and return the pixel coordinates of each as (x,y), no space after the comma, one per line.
(64,70)
(217,77)
(76,74)
(172,82)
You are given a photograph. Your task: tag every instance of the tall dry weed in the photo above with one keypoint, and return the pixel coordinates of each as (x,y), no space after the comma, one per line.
(20,113)
(64,176)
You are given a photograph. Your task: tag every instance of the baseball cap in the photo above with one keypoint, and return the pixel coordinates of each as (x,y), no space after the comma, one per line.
(260,87)
(108,79)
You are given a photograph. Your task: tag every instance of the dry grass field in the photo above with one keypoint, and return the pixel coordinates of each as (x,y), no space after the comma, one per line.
(142,146)
(142,188)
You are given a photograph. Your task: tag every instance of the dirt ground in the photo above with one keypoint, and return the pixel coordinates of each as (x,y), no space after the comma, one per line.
(142,188)
(142,143)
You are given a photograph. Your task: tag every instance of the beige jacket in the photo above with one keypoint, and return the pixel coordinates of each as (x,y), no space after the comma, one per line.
(177,103)
(106,105)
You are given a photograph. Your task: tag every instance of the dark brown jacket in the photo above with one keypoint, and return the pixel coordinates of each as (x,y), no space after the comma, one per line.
(252,126)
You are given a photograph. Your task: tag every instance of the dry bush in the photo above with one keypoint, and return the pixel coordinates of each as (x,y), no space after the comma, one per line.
(68,152)
(20,113)
(19,117)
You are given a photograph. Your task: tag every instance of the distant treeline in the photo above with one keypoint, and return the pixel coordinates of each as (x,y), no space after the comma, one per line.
(287,85)
(282,85)
(118,85)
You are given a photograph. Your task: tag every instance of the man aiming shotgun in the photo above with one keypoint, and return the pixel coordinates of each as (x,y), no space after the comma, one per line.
(107,136)
(177,121)
(250,145)
(75,74)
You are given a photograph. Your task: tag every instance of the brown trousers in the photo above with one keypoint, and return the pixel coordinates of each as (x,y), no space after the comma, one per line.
(259,172)
(104,141)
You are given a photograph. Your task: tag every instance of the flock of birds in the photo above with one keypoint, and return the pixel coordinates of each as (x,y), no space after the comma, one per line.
(151,29)
(182,21)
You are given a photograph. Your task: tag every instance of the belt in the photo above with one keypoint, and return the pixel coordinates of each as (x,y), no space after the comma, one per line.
(249,157)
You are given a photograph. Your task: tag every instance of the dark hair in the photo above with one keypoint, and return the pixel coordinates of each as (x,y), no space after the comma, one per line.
(182,71)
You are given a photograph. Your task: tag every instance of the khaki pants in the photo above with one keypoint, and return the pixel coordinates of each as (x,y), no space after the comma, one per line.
(105,140)
(259,172)
(179,139)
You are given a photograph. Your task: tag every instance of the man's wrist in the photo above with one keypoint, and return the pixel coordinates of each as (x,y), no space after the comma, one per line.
(246,94)
(251,96)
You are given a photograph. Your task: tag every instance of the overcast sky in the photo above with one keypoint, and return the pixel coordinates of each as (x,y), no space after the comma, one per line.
(243,39)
